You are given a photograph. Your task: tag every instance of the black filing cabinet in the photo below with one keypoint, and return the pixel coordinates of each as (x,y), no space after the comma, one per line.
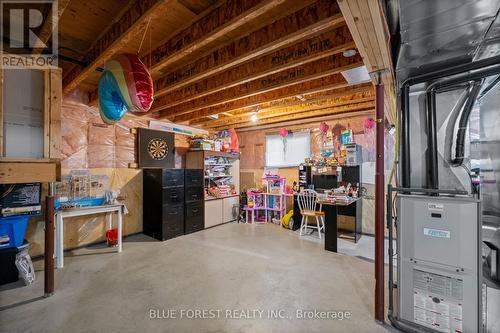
(163,203)
(194,201)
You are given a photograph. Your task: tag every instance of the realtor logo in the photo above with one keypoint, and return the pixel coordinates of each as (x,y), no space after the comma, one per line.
(29,33)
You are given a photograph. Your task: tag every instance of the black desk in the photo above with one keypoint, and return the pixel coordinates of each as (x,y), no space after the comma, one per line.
(331,211)
(351,208)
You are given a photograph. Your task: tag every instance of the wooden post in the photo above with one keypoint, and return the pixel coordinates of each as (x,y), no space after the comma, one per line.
(49,244)
(379,204)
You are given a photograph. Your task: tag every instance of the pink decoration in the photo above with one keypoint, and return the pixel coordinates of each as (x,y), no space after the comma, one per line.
(323,127)
(283,132)
(368,123)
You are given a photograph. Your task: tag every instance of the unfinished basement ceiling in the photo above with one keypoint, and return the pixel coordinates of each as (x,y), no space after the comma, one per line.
(446,31)
(217,63)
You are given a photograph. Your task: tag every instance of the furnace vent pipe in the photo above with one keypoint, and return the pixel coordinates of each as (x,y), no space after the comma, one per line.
(486,67)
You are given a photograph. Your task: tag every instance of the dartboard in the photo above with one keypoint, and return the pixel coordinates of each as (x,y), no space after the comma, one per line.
(157,149)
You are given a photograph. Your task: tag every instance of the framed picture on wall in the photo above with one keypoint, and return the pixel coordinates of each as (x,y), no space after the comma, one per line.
(155,149)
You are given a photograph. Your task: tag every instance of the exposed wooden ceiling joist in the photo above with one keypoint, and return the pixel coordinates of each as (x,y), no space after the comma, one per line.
(305,23)
(315,95)
(365,19)
(298,108)
(352,91)
(306,114)
(347,93)
(299,124)
(47,28)
(323,84)
(325,45)
(229,16)
(308,72)
(128,26)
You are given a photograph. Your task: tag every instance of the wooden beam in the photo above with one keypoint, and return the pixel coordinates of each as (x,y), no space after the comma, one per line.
(55,113)
(128,26)
(308,72)
(299,124)
(290,110)
(364,89)
(305,23)
(28,171)
(315,95)
(46,113)
(368,26)
(307,114)
(227,17)
(323,84)
(325,45)
(1,111)
(48,28)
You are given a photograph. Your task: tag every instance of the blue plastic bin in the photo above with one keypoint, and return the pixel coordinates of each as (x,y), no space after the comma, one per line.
(12,231)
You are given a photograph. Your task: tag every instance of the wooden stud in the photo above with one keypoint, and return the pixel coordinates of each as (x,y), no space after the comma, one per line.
(128,26)
(325,45)
(1,111)
(312,71)
(46,113)
(55,113)
(303,24)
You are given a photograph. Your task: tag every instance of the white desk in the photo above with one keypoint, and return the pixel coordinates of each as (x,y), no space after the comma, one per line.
(119,209)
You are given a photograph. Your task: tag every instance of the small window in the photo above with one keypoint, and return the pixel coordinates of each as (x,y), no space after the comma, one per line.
(279,154)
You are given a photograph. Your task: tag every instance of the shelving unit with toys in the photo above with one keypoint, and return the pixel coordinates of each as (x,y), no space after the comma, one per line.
(221,172)
(269,206)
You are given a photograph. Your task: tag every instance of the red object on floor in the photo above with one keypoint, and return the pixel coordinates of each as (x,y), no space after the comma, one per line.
(112,236)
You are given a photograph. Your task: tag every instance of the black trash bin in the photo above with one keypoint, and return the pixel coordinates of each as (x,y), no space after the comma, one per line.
(9,272)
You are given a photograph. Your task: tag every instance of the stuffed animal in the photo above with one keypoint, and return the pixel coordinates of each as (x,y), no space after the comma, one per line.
(287,220)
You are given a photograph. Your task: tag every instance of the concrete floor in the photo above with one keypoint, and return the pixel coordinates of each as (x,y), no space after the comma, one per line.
(231,267)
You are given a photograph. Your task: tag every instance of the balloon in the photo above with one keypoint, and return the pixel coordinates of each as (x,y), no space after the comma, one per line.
(368,123)
(323,127)
(283,132)
(111,105)
(125,85)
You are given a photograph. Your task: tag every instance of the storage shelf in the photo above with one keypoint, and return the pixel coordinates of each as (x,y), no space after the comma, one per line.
(218,176)
(264,208)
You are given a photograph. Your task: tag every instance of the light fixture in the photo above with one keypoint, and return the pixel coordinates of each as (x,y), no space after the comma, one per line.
(301,97)
(349,53)
(254,117)
(213,116)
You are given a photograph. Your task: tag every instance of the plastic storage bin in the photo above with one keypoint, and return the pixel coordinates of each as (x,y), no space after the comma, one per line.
(12,231)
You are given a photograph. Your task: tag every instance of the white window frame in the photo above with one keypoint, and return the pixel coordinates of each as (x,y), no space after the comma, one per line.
(299,159)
